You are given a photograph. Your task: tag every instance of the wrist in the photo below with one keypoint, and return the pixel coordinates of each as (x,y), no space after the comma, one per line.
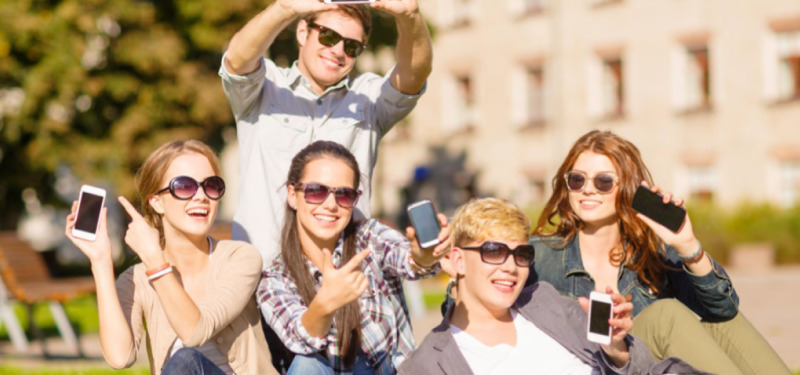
(153,261)
(419,267)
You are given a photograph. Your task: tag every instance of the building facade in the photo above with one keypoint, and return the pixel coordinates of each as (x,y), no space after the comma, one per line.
(708,90)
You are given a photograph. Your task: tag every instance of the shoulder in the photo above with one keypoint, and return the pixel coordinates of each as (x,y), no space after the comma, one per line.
(374,229)
(426,357)
(366,79)
(549,243)
(240,252)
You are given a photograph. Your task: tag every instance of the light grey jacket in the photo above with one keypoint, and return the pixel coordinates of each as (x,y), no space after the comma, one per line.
(562,318)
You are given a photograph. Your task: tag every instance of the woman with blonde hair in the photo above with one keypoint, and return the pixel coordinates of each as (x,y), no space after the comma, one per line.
(194,293)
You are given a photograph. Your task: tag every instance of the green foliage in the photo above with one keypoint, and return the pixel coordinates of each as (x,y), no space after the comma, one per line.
(82,312)
(96,85)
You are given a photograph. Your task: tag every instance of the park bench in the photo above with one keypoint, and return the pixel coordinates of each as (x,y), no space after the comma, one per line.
(24,277)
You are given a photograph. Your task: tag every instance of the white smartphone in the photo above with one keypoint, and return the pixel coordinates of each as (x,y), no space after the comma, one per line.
(598,330)
(90,204)
(426,224)
(349,1)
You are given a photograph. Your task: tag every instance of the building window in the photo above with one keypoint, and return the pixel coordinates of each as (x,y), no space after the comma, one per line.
(606,85)
(790,183)
(456,13)
(691,78)
(459,103)
(528,96)
(702,182)
(788,65)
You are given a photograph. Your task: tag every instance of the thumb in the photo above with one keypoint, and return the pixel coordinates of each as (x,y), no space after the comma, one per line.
(584,302)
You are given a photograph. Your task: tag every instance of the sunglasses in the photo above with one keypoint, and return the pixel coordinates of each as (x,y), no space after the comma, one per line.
(603,182)
(330,38)
(185,187)
(497,252)
(317,193)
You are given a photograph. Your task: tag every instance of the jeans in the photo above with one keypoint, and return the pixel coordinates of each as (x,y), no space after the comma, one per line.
(189,361)
(315,364)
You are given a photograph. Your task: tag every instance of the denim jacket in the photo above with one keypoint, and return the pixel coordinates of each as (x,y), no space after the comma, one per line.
(712,296)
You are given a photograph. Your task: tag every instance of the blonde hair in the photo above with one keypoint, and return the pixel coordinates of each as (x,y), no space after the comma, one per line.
(150,175)
(489,218)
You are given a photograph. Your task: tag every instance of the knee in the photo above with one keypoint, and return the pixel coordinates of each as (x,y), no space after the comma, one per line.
(671,308)
(183,361)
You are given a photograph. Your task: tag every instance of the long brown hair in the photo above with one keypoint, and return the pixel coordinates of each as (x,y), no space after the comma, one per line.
(149,177)
(348,318)
(640,245)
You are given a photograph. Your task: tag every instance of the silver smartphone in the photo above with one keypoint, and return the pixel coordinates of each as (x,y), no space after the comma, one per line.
(90,204)
(426,224)
(598,330)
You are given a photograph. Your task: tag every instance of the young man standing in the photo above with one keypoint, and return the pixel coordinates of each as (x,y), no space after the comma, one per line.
(497,327)
(279,111)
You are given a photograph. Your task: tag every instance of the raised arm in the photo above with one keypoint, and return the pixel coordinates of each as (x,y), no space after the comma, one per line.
(115,333)
(414,50)
(250,43)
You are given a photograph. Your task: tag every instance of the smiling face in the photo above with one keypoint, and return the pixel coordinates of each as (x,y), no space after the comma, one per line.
(593,208)
(325,66)
(193,217)
(489,287)
(322,223)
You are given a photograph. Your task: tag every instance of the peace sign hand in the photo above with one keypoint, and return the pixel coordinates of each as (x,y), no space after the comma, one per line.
(345,284)
(143,239)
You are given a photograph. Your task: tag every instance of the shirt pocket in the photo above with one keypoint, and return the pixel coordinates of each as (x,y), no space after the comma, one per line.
(344,126)
(282,130)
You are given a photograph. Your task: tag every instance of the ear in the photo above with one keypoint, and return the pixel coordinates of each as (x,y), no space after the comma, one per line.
(457,261)
(291,197)
(302,32)
(155,202)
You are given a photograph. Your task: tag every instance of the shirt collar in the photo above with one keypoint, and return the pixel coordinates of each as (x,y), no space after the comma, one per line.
(297,78)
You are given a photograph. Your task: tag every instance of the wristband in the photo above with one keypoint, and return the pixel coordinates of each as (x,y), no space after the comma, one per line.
(694,257)
(420,270)
(158,274)
(156,270)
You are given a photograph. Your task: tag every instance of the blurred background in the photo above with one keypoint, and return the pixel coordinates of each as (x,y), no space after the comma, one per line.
(709,90)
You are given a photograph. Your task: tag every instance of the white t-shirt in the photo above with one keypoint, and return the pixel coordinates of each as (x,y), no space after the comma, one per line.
(535,352)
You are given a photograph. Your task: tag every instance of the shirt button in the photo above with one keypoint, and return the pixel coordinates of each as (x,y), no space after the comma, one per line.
(319,101)
(219,340)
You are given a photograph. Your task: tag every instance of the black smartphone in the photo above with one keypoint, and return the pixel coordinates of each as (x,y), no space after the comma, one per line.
(652,205)
(426,224)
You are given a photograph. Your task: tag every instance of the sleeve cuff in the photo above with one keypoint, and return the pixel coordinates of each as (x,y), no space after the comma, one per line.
(317,343)
(252,77)
(397,98)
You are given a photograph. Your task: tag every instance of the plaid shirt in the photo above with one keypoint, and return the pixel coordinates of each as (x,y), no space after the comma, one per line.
(386,336)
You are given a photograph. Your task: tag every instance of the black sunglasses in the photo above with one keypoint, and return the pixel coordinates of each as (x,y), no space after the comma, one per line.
(317,193)
(497,252)
(330,38)
(604,182)
(185,187)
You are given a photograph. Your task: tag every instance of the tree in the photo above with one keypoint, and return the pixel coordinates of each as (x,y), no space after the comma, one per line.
(96,85)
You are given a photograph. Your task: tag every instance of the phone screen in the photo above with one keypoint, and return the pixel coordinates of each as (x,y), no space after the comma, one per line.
(598,321)
(423,217)
(89,212)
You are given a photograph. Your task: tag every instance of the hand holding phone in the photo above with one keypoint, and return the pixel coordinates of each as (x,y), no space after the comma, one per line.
(90,204)
(600,311)
(652,205)
(425,223)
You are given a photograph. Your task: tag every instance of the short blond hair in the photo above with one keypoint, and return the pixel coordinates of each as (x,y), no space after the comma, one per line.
(489,218)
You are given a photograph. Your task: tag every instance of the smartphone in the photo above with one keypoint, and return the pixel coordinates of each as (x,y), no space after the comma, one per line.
(426,224)
(652,205)
(349,1)
(598,330)
(90,204)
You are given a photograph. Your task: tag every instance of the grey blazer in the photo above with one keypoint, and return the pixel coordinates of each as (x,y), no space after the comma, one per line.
(558,316)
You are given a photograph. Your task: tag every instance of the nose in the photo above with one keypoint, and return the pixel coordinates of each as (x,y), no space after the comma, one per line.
(330,201)
(510,264)
(200,194)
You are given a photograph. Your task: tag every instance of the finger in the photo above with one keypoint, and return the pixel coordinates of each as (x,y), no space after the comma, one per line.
(584,302)
(411,234)
(356,260)
(645,184)
(101,225)
(74,207)
(132,212)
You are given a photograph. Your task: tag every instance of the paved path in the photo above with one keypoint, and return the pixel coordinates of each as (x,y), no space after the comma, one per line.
(769,299)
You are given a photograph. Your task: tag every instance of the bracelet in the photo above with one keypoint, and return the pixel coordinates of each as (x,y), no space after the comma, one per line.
(158,274)
(418,269)
(694,257)
(156,270)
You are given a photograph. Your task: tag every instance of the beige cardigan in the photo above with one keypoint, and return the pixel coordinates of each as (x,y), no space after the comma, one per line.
(229,316)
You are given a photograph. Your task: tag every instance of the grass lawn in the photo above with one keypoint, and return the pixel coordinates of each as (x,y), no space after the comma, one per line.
(82,312)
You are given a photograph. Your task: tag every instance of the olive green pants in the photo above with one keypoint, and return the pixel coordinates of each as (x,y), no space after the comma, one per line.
(670,329)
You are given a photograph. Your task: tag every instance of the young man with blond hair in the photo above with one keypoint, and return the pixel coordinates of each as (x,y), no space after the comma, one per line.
(496,326)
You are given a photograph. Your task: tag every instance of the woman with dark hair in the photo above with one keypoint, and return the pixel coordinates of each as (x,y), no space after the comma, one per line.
(589,237)
(335,295)
(194,293)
